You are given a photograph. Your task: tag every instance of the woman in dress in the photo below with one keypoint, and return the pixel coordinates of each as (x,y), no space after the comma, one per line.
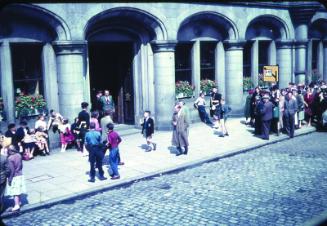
(40,122)
(76,131)
(66,135)
(308,104)
(16,182)
(41,141)
(94,118)
(29,144)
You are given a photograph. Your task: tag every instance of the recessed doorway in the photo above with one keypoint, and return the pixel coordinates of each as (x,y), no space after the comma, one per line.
(111,67)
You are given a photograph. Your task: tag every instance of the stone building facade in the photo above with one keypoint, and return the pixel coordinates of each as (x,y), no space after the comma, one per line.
(139,50)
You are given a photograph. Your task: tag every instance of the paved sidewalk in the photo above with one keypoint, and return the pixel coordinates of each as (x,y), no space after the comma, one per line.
(62,175)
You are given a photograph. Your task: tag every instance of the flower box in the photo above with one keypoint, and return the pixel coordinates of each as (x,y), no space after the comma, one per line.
(184,89)
(29,105)
(207,85)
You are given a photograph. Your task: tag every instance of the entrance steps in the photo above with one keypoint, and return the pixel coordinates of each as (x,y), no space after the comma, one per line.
(125,130)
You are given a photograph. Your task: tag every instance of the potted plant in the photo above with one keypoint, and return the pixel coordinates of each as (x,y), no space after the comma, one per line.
(207,85)
(184,89)
(247,83)
(29,105)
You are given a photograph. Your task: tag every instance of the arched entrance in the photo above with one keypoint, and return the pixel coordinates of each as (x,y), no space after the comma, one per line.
(260,48)
(120,59)
(317,51)
(200,39)
(27,58)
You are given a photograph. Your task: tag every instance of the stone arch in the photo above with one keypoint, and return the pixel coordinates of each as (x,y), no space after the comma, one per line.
(267,27)
(131,21)
(31,22)
(318,29)
(207,25)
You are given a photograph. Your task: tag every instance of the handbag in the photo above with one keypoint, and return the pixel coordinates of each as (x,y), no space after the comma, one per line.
(276,112)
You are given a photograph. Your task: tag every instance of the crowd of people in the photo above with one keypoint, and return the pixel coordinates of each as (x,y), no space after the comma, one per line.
(267,110)
(285,110)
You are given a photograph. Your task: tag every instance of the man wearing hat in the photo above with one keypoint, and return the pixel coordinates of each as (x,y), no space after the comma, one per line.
(267,115)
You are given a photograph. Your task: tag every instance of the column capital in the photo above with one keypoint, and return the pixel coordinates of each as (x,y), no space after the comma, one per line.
(284,44)
(301,43)
(69,47)
(163,45)
(234,44)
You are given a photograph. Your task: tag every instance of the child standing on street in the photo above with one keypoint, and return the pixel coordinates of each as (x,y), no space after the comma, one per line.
(148,130)
(223,111)
(114,156)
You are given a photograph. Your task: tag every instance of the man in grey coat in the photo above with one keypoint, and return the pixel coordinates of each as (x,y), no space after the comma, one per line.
(290,109)
(104,122)
(182,132)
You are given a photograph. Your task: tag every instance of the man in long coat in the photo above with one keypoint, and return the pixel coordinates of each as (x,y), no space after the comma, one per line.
(181,133)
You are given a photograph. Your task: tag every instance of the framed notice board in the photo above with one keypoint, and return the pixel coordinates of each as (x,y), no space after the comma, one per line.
(270,73)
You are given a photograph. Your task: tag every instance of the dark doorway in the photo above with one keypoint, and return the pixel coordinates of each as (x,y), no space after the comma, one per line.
(111,68)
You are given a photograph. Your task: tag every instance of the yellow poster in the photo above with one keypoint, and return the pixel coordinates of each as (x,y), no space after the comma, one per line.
(270,73)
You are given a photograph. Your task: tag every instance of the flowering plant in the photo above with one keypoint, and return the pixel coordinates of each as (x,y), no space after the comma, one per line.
(184,87)
(247,83)
(29,104)
(207,85)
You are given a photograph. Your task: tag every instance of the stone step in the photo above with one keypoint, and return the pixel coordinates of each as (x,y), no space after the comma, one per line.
(125,130)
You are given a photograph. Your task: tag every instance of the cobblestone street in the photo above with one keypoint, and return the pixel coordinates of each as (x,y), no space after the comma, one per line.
(280,184)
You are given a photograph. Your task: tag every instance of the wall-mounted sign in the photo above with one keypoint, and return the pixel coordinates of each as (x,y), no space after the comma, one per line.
(270,73)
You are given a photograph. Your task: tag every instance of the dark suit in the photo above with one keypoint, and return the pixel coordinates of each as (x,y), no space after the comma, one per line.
(83,116)
(290,108)
(148,127)
(267,115)
(107,103)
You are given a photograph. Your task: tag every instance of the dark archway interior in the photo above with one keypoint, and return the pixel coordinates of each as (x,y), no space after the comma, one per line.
(27,68)
(111,68)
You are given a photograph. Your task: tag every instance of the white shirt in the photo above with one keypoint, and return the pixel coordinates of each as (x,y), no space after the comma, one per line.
(39,123)
(200,101)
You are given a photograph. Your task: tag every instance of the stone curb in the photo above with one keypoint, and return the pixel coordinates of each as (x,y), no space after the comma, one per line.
(129,181)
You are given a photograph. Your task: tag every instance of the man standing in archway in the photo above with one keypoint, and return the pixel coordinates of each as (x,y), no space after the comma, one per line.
(108,103)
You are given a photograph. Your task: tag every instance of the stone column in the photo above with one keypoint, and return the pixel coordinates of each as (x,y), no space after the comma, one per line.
(220,68)
(71,76)
(320,58)
(300,57)
(196,69)
(272,53)
(325,60)
(7,84)
(284,61)
(255,62)
(301,34)
(164,82)
(234,75)
(49,71)
(309,62)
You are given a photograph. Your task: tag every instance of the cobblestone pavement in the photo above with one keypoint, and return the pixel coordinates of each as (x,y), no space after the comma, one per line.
(280,184)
